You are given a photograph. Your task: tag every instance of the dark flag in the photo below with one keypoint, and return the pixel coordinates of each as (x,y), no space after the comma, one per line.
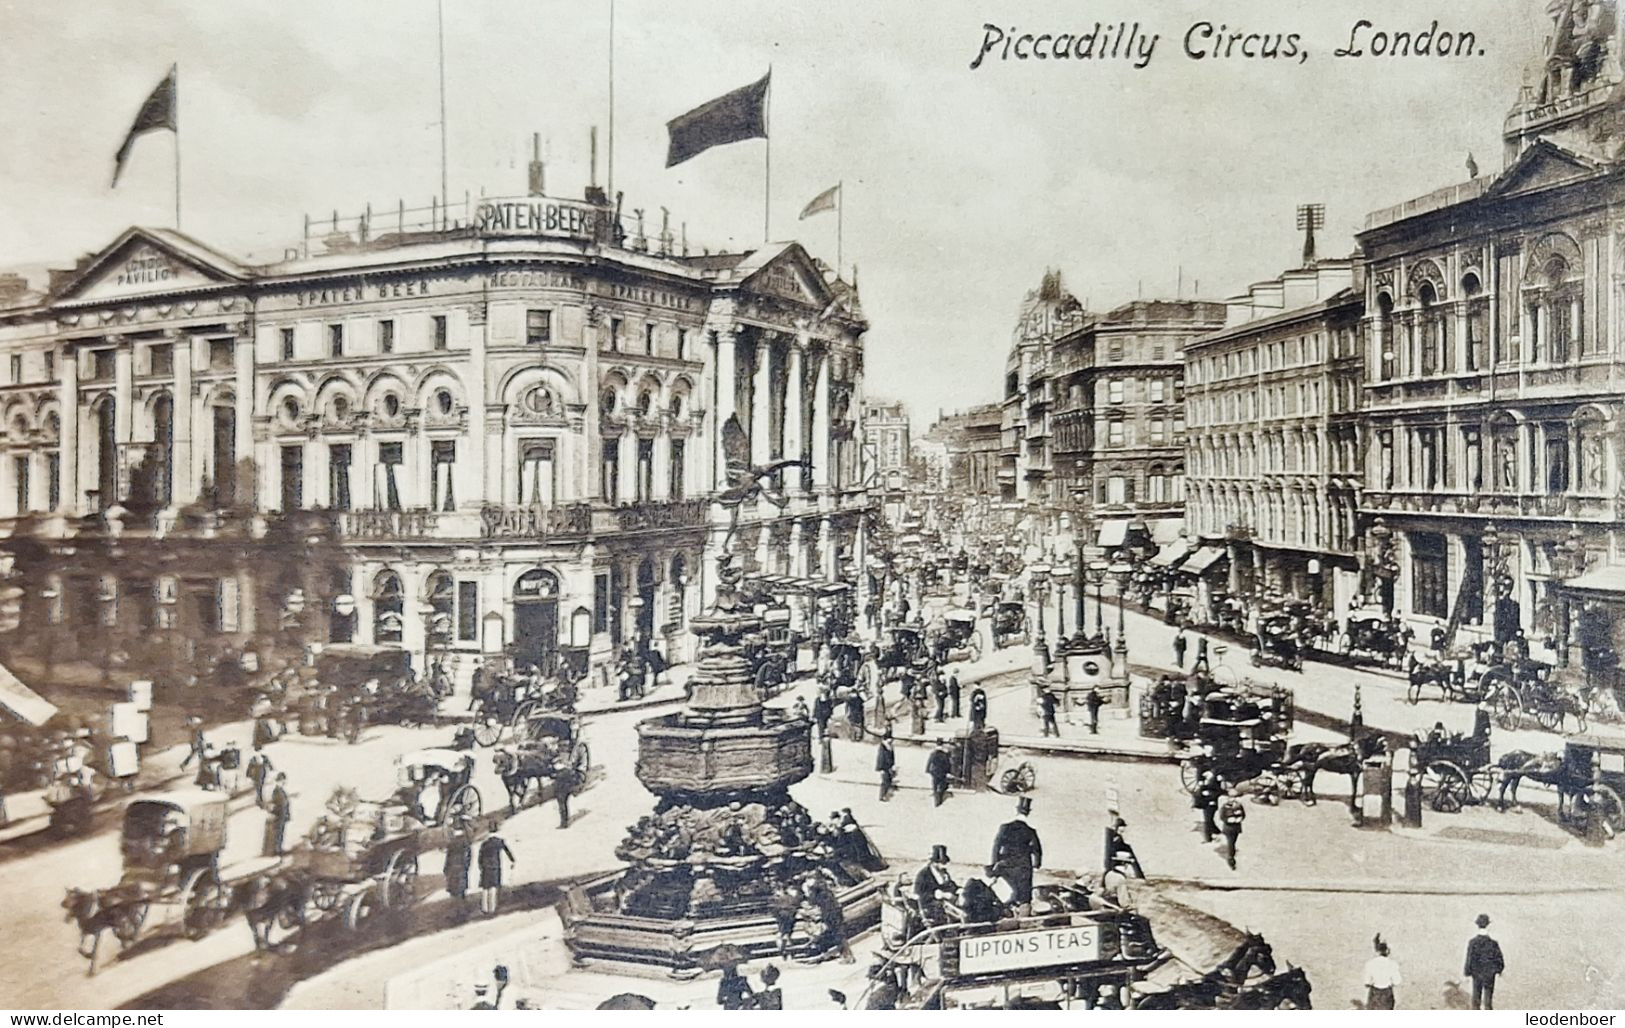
(157,113)
(741,114)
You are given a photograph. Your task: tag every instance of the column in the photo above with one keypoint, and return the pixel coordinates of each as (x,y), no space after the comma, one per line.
(628,443)
(123,415)
(248,492)
(473,486)
(820,425)
(415,475)
(67,363)
(793,393)
(486,423)
(414,636)
(317,488)
(587,467)
(662,467)
(761,429)
(366,612)
(723,402)
(183,474)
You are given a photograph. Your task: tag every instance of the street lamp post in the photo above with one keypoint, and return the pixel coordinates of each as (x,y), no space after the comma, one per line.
(1384,566)
(1038,581)
(1570,563)
(1121,572)
(1061,576)
(1097,575)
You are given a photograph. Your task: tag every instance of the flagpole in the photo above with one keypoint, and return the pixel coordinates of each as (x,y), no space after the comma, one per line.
(767,161)
(440,19)
(610,184)
(177,135)
(840,215)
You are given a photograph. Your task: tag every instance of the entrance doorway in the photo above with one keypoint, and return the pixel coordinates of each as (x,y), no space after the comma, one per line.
(646,609)
(536,620)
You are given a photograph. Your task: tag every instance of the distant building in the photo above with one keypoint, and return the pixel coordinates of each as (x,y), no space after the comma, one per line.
(889,451)
(970,451)
(1024,453)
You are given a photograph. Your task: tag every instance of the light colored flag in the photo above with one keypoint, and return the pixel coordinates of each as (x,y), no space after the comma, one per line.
(825,201)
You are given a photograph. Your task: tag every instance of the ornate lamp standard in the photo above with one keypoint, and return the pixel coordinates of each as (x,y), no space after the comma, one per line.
(1498,574)
(1097,577)
(1061,575)
(1568,562)
(1038,584)
(1121,571)
(1383,565)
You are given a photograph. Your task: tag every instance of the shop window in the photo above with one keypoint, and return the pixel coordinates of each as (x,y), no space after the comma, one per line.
(1429,575)
(468,611)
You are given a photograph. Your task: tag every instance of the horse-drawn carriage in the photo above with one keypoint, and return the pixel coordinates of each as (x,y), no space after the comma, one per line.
(1376,637)
(510,700)
(1009,624)
(1521,689)
(348,687)
(902,646)
(958,638)
(1241,734)
(551,749)
(172,882)
(774,656)
(1277,642)
(1456,769)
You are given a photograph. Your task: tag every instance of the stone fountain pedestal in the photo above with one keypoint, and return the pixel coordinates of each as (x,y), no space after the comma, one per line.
(708,867)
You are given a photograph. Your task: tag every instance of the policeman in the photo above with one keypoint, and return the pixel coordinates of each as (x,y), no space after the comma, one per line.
(1017,852)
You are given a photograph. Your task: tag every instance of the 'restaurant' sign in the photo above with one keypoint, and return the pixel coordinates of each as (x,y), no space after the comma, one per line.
(539,216)
(1011,951)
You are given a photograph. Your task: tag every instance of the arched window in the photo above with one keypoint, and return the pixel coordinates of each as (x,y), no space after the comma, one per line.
(441,592)
(1476,321)
(1385,336)
(389,605)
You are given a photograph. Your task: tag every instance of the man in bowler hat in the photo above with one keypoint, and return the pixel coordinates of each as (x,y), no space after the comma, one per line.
(1017,852)
(1484,963)
(938,769)
(886,764)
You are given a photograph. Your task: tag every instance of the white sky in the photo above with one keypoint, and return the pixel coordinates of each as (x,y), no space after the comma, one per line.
(961,185)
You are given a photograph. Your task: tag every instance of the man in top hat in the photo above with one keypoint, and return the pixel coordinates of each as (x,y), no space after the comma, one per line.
(1484,963)
(278,812)
(937,767)
(886,764)
(1017,852)
(933,886)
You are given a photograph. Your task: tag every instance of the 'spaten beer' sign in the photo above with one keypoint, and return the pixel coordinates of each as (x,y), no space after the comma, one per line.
(539,218)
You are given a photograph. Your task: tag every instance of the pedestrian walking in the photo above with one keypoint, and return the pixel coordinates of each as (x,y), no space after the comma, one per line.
(1200,664)
(459,858)
(953,694)
(476,684)
(1208,792)
(1182,640)
(277,814)
(939,692)
(259,772)
(1094,701)
(1381,976)
(1046,706)
(854,713)
(886,764)
(823,710)
(1484,963)
(564,785)
(1017,853)
(492,850)
(978,709)
(1120,855)
(1231,815)
(917,711)
(937,768)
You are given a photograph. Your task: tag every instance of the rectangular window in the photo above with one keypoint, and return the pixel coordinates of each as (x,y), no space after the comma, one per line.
(1158,428)
(615,334)
(538,327)
(1429,588)
(1157,388)
(610,471)
(1114,391)
(50,366)
(386,336)
(293,477)
(19,474)
(221,354)
(287,344)
(437,325)
(648,339)
(443,465)
(536,472)
(386,486)
(1115,350)
(338,476)
(646,470)
(16,369)
(1115,489)
(161,359)
(1114,433)
(1179,427)
(468,611)
(102,363)
(682,344)
(676,470)
(53,480)
(600,602)
(335,340)
(1158,351)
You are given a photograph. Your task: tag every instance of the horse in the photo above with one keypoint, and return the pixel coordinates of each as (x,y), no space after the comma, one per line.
(1546,768)
(519,770)
(94,915)
(1222,985)
(1309,758)
(1435,673)
(1288,990)
(272,900)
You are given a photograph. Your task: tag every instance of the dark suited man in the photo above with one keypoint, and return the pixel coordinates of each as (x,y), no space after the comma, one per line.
(1046,706)
(939,692)
(938,769)
(953,694)
(1484,963)
(886,764)
(1017,852)
(934,887)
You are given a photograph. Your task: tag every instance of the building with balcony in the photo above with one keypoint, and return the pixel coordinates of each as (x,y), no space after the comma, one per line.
(1272,453)
(1025,454)
(1495,363)
(508,427)
(1120,418)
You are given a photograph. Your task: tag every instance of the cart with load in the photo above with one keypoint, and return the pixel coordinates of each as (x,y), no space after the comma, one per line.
(1377,638)
(902,647)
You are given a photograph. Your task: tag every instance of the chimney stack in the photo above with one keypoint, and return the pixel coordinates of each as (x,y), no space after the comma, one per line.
(538,186)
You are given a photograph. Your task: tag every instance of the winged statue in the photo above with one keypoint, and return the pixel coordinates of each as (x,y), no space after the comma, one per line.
(746,481)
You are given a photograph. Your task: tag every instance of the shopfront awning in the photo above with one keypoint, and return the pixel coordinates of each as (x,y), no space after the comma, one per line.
(1172,553)
(791,584)
(22,701)
(1112,533)
(1166,530)
(1204,558)
(1602,580)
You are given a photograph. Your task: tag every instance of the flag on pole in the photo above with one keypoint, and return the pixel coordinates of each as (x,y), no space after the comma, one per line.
(741,114)
(824,201)
(157,113)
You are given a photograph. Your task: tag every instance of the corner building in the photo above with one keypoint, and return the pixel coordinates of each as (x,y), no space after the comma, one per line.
(510,428)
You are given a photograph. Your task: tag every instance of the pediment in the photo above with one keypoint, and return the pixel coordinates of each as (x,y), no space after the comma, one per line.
(145,262)
(1543,166)
(789,275)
